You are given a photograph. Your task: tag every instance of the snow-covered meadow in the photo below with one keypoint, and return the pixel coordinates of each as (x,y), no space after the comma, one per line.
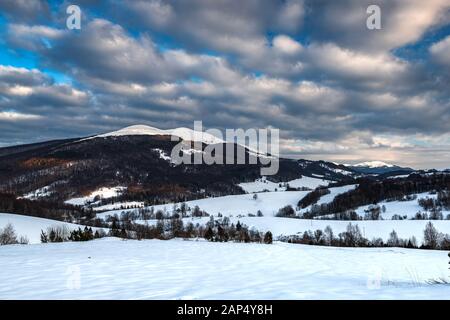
(177,269)
(262,184)
(238,208)
(102,193)
(267,202)
(110,268)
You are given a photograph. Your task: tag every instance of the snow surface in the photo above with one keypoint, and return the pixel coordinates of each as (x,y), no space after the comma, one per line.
(402,208)
(39,193)
(177,269)
(239,206)
(334,192)
(118,205)
(263,184)
(330,197)
(104,193)
(163,155)
(268,202)
(31,226)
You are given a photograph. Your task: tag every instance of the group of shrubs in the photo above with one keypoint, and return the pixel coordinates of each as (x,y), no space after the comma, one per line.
(223,231)
(61,234)
(9,236)
(216,230)
(353,237)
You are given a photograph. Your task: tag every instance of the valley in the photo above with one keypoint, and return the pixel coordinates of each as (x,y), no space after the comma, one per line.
(362,230)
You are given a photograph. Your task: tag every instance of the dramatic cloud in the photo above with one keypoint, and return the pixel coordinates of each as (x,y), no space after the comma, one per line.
(25,10)
(441,52)
(336,90)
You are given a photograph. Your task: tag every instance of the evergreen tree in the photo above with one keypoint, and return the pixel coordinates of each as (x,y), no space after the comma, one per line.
(209,234)
(44,237)
(268,237)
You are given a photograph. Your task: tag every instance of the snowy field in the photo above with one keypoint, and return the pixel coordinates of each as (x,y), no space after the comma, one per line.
(110,268)
(268,202)
(103,193)
(177,269)
(403,208)
(263,184)
(237,207)
(330,197)
(31,226)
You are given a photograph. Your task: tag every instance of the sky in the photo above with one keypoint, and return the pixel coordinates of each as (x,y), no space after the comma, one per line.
(336,90)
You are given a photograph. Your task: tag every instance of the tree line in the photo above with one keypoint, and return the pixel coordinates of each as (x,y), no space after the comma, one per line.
(353,237)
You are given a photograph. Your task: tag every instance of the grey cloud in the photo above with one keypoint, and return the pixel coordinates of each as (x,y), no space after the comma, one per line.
(26,10)
(329,90)
(344,22)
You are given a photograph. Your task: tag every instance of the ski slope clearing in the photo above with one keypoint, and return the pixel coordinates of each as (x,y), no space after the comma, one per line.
(103,193)
(39,193)
(177,269)
(31,226)
(183,133)
(268,202)
(330,197)
(119,205)
(260,185)
(334,192)
(402,208)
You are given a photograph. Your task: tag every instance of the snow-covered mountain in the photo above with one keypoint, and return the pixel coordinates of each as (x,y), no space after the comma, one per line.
(374,164)
(183,133)
(378,167)
(139,158)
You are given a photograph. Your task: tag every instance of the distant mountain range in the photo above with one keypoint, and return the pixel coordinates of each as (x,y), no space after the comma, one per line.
(378,167)
(139,158)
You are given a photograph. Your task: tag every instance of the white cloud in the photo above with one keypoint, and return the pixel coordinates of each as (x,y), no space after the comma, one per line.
(286,44)
(354,64)
(16,116)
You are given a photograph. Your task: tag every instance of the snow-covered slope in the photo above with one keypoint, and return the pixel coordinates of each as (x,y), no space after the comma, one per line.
(103,193)
(183,133)
(31,226)
(402,208)
(39,193)
(176,269)
(263,184)
(329,197)
(268,202)
(334,192)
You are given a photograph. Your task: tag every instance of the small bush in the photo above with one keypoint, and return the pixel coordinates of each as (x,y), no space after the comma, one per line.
(286,211)
(268,238)
(8,235)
